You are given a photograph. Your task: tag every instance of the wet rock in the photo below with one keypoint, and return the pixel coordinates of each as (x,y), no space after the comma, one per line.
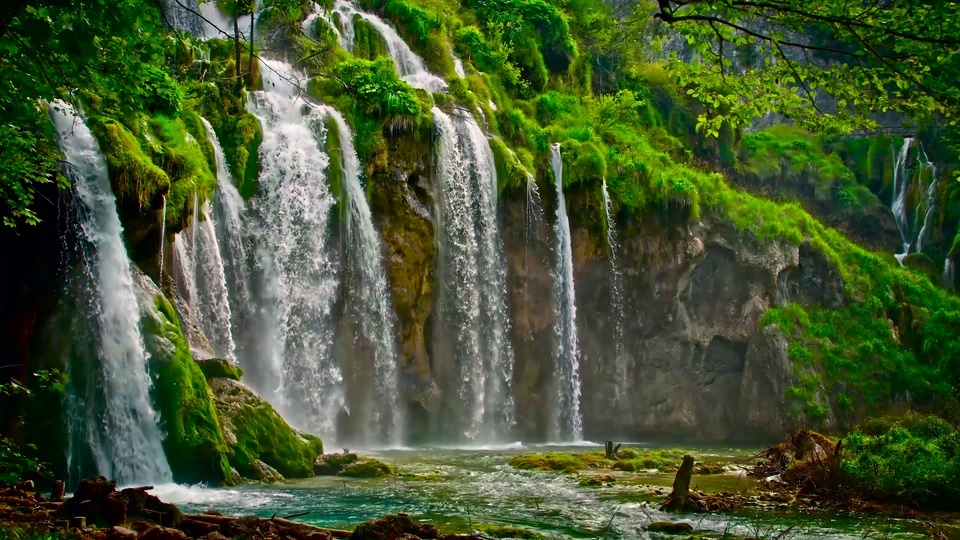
(366,468)
(213,368)
(333,464)
(119,532)
(670,527)
(266,473)
(162,533)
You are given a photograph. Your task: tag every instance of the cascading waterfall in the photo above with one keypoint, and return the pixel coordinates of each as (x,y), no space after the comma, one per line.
(371,300)
(472,278)
(182,16)
(569,421)
(410,66)
(300,270)
(112,424)
(534,221)
(948,277)
(616,299)
(926,196)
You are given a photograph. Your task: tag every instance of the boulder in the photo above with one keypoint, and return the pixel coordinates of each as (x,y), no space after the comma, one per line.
(670,527)
(266,473)
(332,464)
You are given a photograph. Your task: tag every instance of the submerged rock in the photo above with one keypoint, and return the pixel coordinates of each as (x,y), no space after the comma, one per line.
(670,527)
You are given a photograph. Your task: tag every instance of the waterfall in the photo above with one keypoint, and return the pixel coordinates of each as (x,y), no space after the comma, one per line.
(292,210)
(410,66)
(616,300)
(111,421)
(533,217)
(372,305)
(926,197)
(183,270)
(948,277)
(182,16)
(472,277)
(900,185)
(569,421)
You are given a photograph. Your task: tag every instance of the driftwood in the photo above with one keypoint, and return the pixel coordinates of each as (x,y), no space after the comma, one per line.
(610,450)
(681,486)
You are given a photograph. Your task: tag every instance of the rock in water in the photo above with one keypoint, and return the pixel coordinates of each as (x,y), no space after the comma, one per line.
(266,473)
(669,527)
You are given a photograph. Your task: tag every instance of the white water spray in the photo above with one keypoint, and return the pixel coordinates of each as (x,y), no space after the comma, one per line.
(567,348)
(373,304)
(472,276)
(293,208)
(111,419)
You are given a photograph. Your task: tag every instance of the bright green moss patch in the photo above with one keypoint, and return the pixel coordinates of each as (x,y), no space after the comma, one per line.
(256,431)
(335,170)
(193,442)
(628,459)
(366,468)
(215,368)
(368,44)
(181,157)
(135,178)
(511,174)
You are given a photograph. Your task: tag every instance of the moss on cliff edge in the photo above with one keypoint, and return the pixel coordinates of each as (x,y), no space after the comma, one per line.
(254,430)
(193,441)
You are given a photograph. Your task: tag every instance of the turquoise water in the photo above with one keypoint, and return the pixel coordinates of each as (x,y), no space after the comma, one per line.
(456,489)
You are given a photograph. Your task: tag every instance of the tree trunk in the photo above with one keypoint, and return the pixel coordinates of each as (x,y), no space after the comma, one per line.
(253,17)
(681,486)
(236,42)
(608,450)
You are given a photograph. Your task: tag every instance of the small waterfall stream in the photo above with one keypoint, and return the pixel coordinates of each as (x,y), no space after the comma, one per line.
(925,194)
(111,421)
(569,421)
(371,302)
(300,270)
(410,66)
(472,278)
(948,276)
(621,367)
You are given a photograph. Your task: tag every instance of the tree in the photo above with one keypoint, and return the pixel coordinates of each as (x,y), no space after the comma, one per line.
(869,56)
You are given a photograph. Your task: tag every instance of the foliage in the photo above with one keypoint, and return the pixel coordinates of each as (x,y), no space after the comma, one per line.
(867,58)
(379,93)
(28,158)
(20,461)
(913,459)
(193,441)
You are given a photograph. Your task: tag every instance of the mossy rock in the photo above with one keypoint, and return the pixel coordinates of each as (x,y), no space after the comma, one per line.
(192,438)
(366,468)
(333,464)
(255,431)
(214,368)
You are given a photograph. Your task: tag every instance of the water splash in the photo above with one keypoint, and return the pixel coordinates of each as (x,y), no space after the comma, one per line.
(371,301)
(616,300)
(569,421)
(472,277)
(410,66)
(300,271)
(111,421)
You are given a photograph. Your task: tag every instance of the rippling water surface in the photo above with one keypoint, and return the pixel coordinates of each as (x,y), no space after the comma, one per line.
(456,489)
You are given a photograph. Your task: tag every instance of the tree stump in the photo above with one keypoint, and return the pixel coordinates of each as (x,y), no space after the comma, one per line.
(56,494)
(681,486)
(608,450)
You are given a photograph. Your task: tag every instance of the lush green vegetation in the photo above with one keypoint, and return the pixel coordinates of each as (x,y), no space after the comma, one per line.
(912,460)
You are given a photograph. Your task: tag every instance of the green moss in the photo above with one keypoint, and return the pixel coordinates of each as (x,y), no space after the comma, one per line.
(260,433)
(511,174)
(193,441)
(135,178)
(215,368)
(628,460)
(366,468)
(368,44)
(335,170)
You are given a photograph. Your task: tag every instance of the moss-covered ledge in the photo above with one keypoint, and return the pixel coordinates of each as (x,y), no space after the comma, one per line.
(192,438)
(255,431)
